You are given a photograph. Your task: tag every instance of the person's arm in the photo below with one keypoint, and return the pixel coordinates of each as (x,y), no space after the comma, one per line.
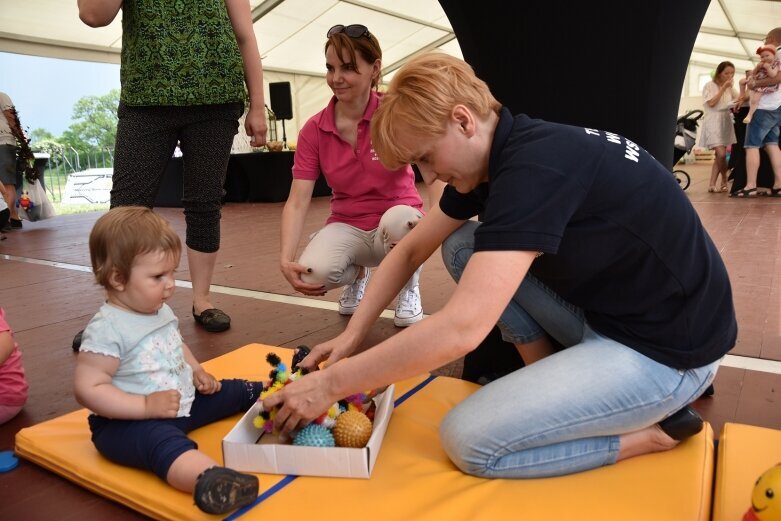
(205,382)
(94,390)
(394,271)
(6,345)
(241,20)
(98,13)
(713,101)
(291,228)
(487,285)
(772,71)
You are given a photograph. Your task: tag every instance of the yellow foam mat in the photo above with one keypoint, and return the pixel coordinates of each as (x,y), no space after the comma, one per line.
(413,478)
(745,452)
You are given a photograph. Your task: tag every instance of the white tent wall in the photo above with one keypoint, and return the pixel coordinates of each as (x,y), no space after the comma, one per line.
(310,94)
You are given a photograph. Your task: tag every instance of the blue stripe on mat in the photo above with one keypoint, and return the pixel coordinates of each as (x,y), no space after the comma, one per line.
(403,398)
(290,478)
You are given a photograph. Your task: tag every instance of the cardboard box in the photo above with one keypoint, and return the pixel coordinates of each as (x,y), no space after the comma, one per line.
(245,448)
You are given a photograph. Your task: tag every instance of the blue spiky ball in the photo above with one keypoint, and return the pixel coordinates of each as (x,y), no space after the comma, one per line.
(314,435)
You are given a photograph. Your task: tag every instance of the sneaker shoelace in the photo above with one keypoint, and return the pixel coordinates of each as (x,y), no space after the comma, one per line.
(409,300)
(355,290)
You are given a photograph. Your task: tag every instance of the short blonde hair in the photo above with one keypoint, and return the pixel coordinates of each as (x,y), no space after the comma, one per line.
(420,99)
(124,233)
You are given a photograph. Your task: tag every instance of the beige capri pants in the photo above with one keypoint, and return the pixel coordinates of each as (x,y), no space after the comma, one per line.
(336,253)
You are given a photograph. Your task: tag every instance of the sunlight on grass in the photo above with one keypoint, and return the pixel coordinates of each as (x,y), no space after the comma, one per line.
(66,209)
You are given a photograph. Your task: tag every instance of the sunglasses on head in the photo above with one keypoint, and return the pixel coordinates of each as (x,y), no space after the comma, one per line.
(353,31)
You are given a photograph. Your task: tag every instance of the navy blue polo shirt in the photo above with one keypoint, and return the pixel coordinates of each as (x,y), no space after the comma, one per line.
(620,238)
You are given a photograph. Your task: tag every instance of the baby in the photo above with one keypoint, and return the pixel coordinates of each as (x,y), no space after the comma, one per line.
(766,68)
(144,387)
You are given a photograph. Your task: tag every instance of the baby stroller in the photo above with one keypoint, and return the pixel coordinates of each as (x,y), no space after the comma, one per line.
(685,136)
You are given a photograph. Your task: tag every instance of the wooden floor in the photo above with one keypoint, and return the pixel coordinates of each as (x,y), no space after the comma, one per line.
(48,293)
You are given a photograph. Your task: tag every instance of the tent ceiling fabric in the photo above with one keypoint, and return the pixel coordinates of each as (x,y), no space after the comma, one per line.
(291,32)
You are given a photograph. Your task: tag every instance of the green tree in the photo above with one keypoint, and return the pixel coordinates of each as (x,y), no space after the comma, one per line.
(94,123)
(41,134)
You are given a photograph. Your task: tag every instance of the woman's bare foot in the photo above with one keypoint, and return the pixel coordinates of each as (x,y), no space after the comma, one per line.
(644,441)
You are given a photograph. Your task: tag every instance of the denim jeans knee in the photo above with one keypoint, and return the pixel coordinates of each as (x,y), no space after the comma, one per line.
(534,310)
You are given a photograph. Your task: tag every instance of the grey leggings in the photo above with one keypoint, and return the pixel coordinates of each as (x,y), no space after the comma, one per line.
(146,139)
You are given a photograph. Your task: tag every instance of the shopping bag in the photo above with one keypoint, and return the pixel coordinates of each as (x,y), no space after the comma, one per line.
(34,204)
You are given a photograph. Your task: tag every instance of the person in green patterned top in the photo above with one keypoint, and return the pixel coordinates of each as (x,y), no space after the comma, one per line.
(184,66)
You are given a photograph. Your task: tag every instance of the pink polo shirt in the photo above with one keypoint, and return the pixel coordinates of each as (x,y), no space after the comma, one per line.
(13,385)
(362,188)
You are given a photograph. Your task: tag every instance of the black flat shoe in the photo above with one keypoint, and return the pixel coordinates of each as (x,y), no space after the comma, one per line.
(220,490)
(683,424)
(213,320)
(77,341)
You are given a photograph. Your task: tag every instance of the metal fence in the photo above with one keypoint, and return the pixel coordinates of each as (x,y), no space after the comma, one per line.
(61,164)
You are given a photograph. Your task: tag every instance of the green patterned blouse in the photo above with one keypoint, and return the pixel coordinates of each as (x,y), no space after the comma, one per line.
(179,52)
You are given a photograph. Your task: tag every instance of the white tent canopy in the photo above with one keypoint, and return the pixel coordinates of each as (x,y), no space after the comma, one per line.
(291,33)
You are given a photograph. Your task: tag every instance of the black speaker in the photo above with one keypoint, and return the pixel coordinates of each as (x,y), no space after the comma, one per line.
(281,102)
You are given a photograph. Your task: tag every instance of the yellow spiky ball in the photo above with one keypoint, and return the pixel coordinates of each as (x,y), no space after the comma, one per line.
(352,429)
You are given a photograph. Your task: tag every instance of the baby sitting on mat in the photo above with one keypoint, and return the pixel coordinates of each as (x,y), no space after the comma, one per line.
(144,387)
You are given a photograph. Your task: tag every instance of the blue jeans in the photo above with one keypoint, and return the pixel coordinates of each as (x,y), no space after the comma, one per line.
(763,129)
(564,413)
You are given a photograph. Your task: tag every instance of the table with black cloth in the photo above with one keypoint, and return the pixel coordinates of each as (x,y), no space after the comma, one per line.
(737,158)
(251,177)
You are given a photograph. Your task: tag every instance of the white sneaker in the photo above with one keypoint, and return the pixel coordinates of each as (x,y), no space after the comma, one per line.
(352,294)
(409,309)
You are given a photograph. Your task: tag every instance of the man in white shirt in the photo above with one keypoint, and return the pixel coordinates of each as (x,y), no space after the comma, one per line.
(764,128)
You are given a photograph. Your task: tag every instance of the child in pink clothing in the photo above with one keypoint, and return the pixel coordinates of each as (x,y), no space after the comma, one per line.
(766,68)
(13,384)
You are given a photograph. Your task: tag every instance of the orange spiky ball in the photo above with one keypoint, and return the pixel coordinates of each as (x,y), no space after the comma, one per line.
(352,429)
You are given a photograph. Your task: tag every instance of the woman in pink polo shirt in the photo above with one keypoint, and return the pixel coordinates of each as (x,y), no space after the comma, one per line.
(372,207)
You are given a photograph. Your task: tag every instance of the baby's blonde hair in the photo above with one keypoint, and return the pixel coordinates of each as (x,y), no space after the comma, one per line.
(419,101)
(124,233)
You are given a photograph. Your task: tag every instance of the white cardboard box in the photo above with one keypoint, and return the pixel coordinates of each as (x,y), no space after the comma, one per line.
(242,449)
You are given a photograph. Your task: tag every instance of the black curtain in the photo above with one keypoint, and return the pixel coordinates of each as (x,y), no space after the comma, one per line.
(616,66)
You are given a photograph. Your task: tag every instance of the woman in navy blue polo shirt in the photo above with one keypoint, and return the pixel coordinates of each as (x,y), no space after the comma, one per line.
(590,258)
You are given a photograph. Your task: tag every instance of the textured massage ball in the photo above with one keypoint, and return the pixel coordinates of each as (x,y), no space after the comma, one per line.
(314,435)
(352,429)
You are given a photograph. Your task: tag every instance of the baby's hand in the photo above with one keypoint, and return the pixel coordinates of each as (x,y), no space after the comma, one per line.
(206,383)
(162,404)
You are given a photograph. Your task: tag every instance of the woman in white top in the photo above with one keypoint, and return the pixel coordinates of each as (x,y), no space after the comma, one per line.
(717,128)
